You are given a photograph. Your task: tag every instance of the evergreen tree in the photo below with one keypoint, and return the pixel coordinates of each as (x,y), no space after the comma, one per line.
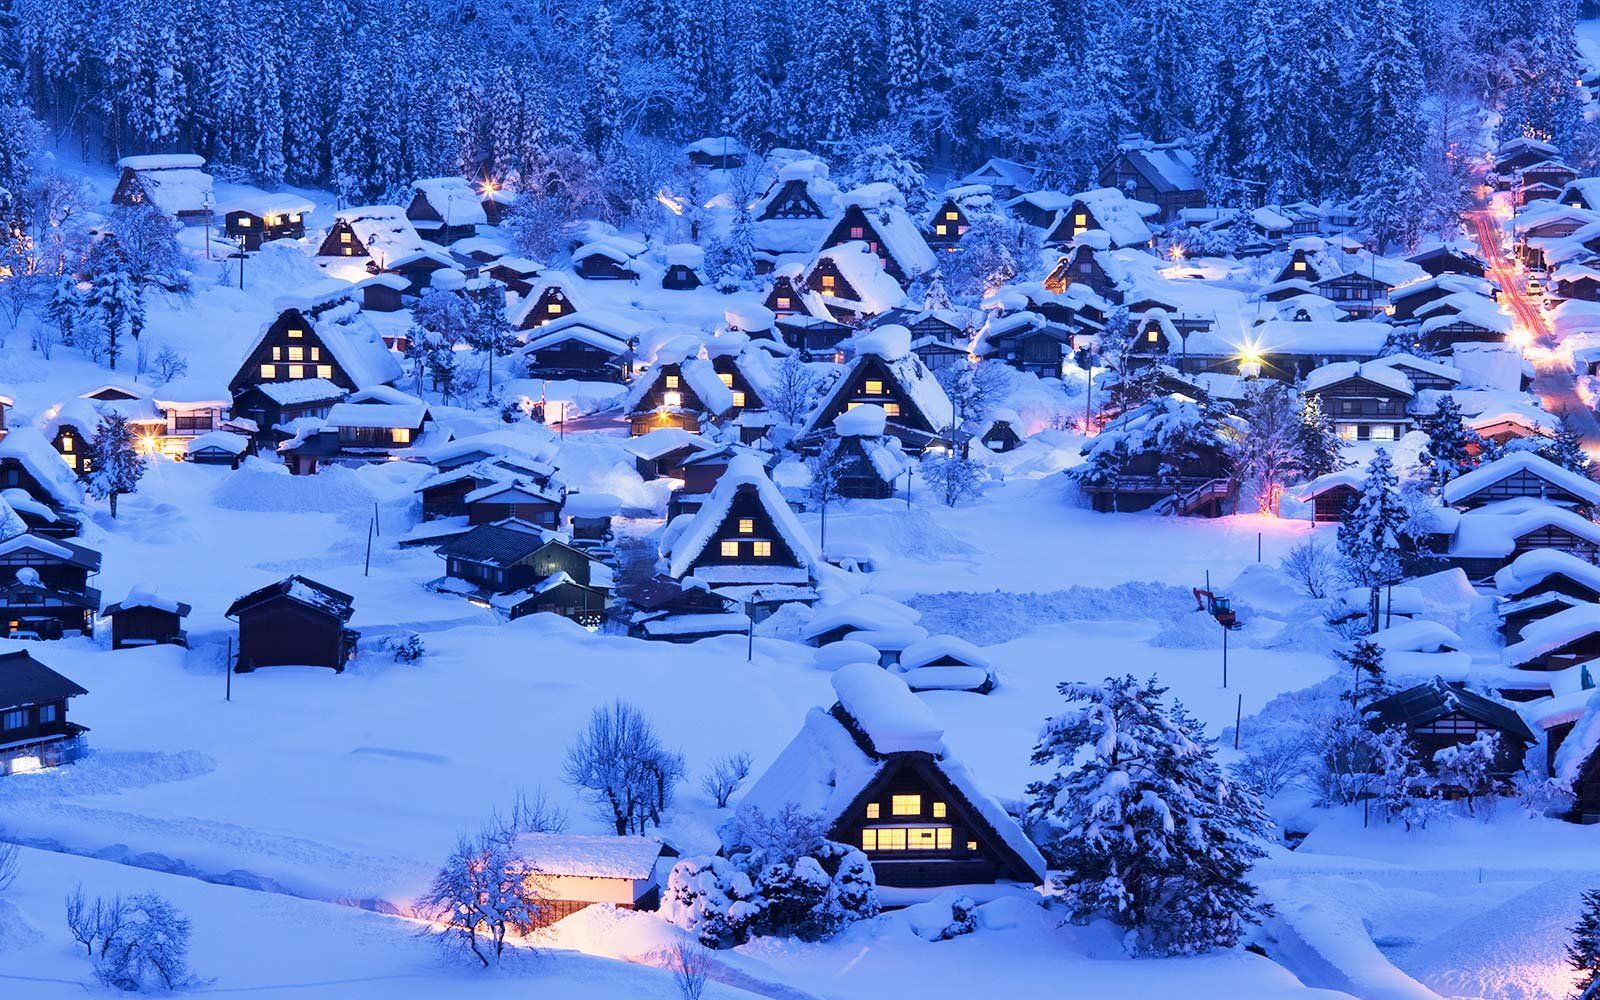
(116,465)
(603,109)
(1446,455)
(905,63)
(1393,204)
(113,298)
(65,308)
(1369,683)
(1583,952)
(1319,445)
(1566,450)
(1144,824)
(1370,535)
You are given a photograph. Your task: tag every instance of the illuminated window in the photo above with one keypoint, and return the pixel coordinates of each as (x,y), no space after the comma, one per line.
(827,282)
(891,409)
(324,371)
(344,237)
(402,435)
(297,333)
(277,354)
(66,444)
(961,230)
(952,215)
(730,550)
(905,805)
(891,839)
(869,840)
(244,222)
(553,309)
(851,405)
(672,399)
(939,810)
(856,232)
(349,251)
(762,550)
(1080,220)
(297,353)
(873,387)
(297,371)
(1299,265)
(727,379)
(316,354)
(783,302)
(747,525)
(928,838)
(873,810)
(672,381)
(972,845)
(269,371)
(738,399)
(295,217)
(941,229)
(1152,336)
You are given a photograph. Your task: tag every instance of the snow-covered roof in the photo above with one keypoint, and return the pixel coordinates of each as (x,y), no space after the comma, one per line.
(348,334)
(1536,565)
(744,473)
(1413,363)
(655,443)
(1516,462)
(174,182)
(1547,635)
(233,444)
(1342,477)
(27,447)
(305,390)
(866,420)
(1491,532)
(190,393)
(1420,636)
(601,328)
(162,161)
(1121,217)
(1342,371)
(263,204)
(588,856)
(892,718)
(1580,743)
(942,647)
(377,414)
(455,200)
(385,231)
(885,208)
(144,595)
(876,291)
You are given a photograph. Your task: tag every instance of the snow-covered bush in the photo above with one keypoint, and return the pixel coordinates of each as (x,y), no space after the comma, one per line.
(1468,768)
(407,649)
(963,919)
(1313,566)
(711,898)
(1538,793)
(952,478)
(1400,789)
(137,944)
(1145,826)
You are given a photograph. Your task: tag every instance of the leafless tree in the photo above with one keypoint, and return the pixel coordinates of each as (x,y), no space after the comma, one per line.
(691,967)
(1313,567)
(826,476)
(724,777)
(792,388)
(619,762)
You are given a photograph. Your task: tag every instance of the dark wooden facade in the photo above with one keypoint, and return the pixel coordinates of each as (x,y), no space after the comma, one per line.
(34,731)
(291,350)
(1364,410)
(1436,715)
(793,201)
(782,298)
(515,500)
(342,241)
(294,622)
(681,277)
(1330,505)
(44,589)
(1523,483)
(142,625)
(747,536)
(948,224)
(257,229)
(553,303)
(872,380)
(855,225)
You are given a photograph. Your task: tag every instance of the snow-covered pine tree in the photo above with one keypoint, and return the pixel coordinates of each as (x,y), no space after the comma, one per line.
(1371,534)
(1146,827)
(1566,450)
(65,308)
(934,294)
(1446,455)
(1319,444)
(602,71)
(1393,204)
(1583,951)
(1368,682)
(116,465)
(113,299)
(739,268)
(1267,454)
(905,63)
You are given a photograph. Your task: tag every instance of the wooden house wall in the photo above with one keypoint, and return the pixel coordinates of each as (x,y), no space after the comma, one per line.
(74,449)
(1519,484)
(282,632)
(855,225)
(258,231)
(53,572)
(575,359)
(858,478)
(552,304)
(892,397)
(341,241)
(1551,537)
(1331,504)
(746,505)
(826,279)
(449,499)
(33,727)
(1508,761)
(949,224)
(277,350)
(144,625)
(782,299)
(544,513)
(970,859)
(597,267)
(792,202)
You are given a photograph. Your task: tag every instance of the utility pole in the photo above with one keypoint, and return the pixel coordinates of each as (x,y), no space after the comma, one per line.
(227,671)
(366,570)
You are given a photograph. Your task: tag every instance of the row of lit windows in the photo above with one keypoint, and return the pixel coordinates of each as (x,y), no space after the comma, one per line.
(943,230)
(297,353)
(904,805)
(245,222)
(270,372)
(760,550)
(912,838)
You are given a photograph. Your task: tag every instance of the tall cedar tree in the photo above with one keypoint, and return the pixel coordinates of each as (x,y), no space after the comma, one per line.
(1145,827)
(1370,535)
(116,463)
(1446,455)
(1583,953)
(1320,446)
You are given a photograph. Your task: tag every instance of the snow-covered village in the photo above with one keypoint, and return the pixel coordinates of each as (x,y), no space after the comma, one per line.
(830,501)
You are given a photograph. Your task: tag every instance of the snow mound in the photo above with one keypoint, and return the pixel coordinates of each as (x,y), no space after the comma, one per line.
(843,653)
(16,931)
(893,718)
(270,489)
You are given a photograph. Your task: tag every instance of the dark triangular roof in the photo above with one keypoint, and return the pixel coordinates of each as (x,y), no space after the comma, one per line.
(1425,703)
(301,590)
(26,681)
(500,544)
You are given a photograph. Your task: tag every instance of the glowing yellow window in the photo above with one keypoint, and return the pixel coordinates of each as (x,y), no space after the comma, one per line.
(244,222)
(672,399)
(349,251)
(269,371)
(869,840)
(277,354)
(762,550)
(738,399)
(66,444)
(972,845)
(939,810)
(553,309)
(851,405)
(344,237)
(1299,265)
(297,353)
(747,525)
(316,354)
(297,333)
(905,805)
(1080,219)
(873,387)
(297,371)
(827,282)
(727,379)
(402,435)
(891,840)
(783,302)
(324,371)
(873,810)
(891,409)
(1151,336)
(952,215)
(672,381)
(295,217)
(941,229)
(730,550)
